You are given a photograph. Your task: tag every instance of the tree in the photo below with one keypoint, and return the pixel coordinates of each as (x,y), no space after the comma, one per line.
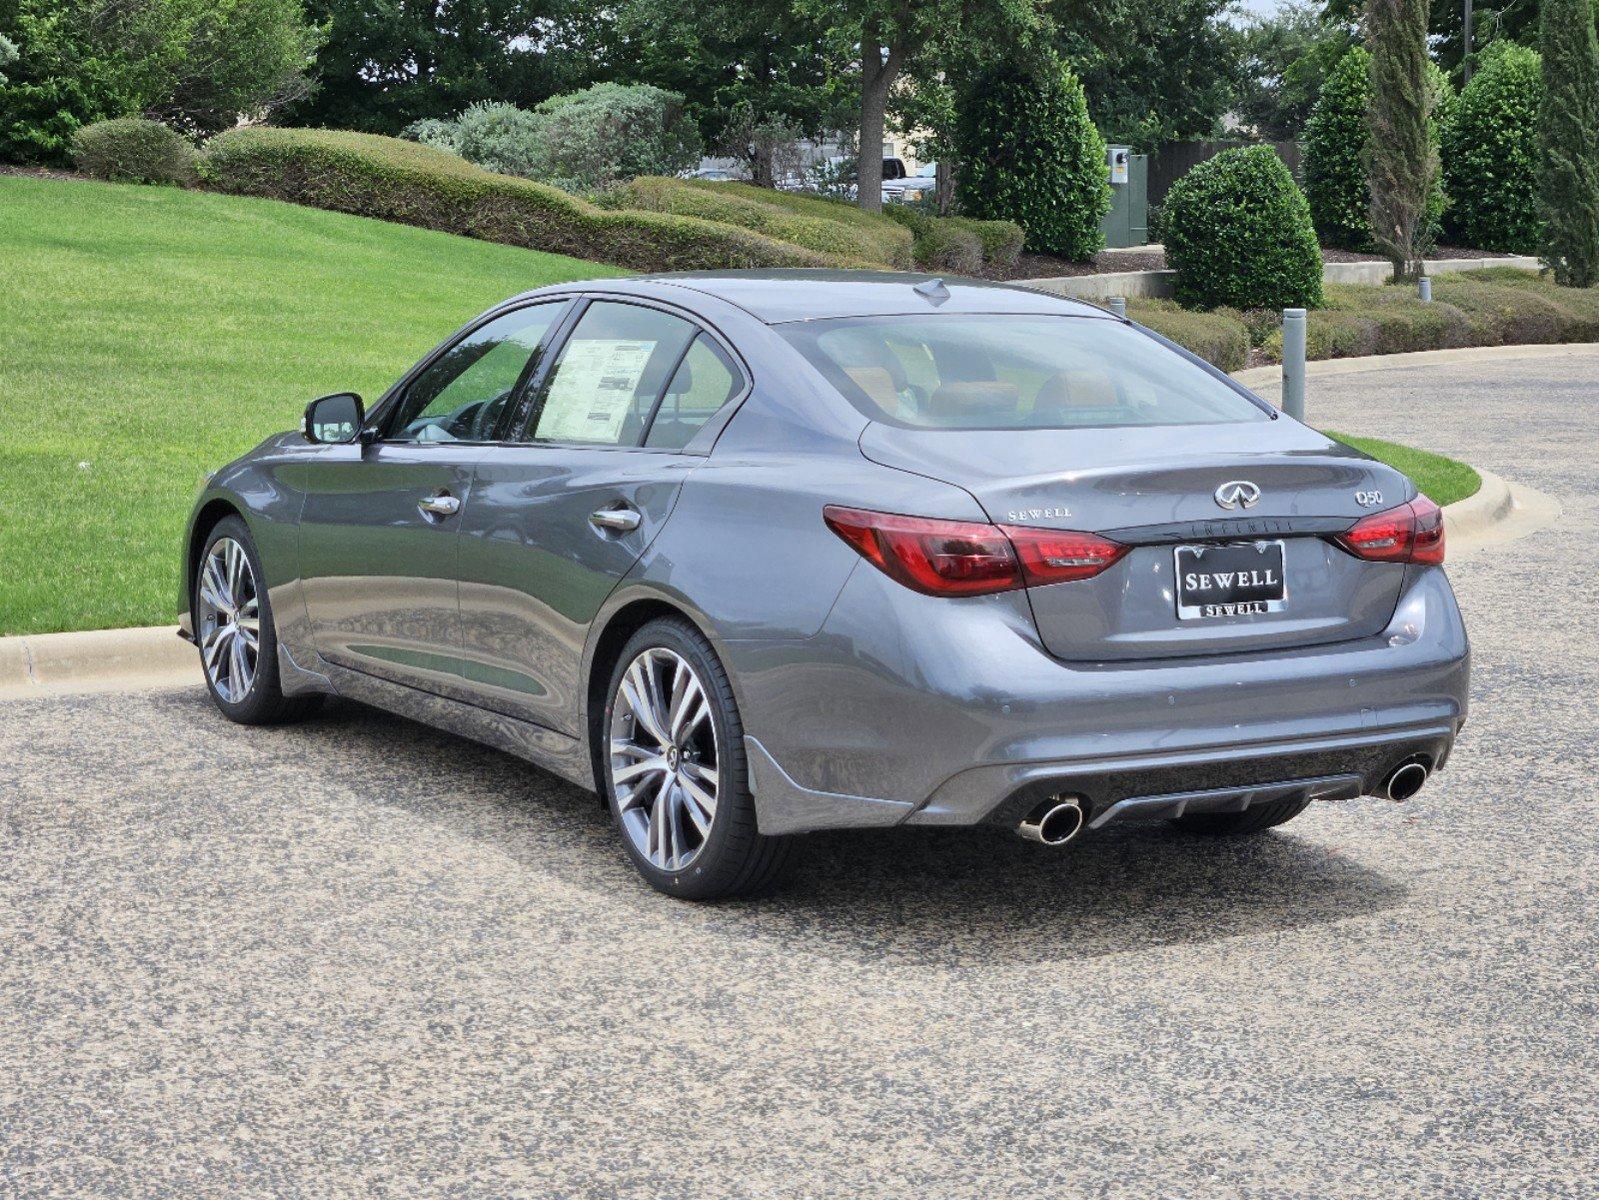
(1154,70)
(1030,154)
(887,35)
(196,64)
(1402,151)
(1283,61)
(387,63)
(1568,132)
(757,75)
(1491,154)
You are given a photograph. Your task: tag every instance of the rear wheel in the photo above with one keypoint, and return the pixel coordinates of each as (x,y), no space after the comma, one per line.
(675,774)
(1254,819)
(233,629)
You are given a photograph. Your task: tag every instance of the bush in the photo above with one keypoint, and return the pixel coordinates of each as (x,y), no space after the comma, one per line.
(1238,233)
(1030,154)
(1220,338)
(418,185)
(133,150)
(1490,154)
(612,131)
(497,137)
(1001,240)
(849,241)
(940,246)
(1568,130)
(1335,139)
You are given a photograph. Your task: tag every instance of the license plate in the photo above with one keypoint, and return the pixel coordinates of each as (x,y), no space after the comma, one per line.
(1237,579)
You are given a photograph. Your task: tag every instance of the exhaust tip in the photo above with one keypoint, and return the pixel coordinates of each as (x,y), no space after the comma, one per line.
(1405,781)
(1054,822)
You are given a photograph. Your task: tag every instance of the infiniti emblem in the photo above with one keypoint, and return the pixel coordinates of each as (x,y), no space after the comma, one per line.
(1238,493)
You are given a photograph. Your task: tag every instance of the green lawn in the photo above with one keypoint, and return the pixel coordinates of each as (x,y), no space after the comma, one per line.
(152,334)
(1443,479)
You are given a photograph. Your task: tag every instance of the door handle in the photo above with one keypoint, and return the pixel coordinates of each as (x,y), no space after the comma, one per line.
(443,505)
(622,520)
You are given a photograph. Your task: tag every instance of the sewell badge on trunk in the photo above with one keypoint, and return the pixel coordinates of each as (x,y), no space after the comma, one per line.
(1231,580)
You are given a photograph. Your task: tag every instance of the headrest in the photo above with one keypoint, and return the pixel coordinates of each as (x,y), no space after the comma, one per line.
(964,402)
(1090,388)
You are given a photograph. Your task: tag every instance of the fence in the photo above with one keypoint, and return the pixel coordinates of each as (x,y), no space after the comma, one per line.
(1170,162)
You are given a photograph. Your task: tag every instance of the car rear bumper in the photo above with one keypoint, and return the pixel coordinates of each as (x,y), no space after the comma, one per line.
(907,709)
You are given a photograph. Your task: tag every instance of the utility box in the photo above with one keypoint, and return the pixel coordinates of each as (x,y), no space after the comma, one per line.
(1127,222)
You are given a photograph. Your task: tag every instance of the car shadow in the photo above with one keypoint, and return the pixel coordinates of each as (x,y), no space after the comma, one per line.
(905,896)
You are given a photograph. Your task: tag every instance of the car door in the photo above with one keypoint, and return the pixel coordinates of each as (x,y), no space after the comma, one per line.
(379,530)
(558,517)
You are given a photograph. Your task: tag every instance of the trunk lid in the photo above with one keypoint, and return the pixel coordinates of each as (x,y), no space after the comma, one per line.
(1154,488)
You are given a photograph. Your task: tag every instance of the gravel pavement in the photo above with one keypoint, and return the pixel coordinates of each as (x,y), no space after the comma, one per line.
(357,957)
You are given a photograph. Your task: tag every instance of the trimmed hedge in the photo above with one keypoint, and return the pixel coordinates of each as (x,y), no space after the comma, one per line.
(133,150)
(853,242)
(1220,337)
(1335,169)
(414,184)
(940,246)
(1238,232)
(1001,240)
(1495,307)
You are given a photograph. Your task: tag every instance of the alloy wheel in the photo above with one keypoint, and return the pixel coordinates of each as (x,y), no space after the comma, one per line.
(229,625)
(664,758)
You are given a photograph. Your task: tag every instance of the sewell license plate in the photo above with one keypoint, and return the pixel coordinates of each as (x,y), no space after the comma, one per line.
(1231,580)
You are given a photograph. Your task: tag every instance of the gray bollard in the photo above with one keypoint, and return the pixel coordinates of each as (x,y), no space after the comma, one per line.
(1294,363)
(1424,289)
(1118,305)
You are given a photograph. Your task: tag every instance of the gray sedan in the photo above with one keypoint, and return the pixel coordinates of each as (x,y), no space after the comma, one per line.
(756,554)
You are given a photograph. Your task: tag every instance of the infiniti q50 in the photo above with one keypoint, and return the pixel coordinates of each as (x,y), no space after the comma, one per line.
(757,554)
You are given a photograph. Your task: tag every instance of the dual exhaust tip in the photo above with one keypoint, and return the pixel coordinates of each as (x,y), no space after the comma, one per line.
(1060,819)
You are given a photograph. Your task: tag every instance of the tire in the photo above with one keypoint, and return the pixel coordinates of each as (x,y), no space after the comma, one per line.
(1255,819)
(262,702)
(730,857)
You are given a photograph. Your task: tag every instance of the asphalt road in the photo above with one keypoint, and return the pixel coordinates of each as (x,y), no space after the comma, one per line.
(359,957)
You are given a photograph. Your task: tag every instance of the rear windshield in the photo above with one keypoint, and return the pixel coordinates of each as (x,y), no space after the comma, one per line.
(1012,372)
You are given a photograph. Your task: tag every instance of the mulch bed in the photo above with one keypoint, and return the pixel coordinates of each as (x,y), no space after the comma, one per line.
(1046,266)
(39,173)
(1347,256)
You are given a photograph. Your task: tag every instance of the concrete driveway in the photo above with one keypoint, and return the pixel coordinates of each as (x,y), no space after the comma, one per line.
(361,958)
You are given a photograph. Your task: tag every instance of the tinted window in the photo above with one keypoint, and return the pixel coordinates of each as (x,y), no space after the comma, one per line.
(609,375)
(706,380)
(461,395)
(1013,372)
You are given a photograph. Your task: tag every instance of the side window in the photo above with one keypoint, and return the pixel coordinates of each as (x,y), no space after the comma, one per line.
(609,375)
(462,394)
(706,380)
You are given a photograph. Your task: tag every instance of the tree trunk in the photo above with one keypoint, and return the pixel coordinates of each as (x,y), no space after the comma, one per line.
(944,185)
(877,77)
(761,168)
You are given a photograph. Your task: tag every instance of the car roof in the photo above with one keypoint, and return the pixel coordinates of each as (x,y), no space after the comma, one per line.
(776,296)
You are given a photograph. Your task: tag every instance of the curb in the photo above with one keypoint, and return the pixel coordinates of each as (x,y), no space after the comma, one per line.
(99,660)
(1255,377)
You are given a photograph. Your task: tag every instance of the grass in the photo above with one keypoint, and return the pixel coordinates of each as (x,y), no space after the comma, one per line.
(1444,480)
(152,334)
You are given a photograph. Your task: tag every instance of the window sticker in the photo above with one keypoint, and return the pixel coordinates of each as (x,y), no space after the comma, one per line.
(593,389)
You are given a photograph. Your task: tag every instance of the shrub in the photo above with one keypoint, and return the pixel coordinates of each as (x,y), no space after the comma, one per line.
(850,241)
(1238,232)
(1402,144)
(1030,154)
(940,246)
(1335,139)
(612,131)
(1219,338)
(497,137)
(133,150)
(418,185)
(1001,240)
(1491,163)
(1568,130)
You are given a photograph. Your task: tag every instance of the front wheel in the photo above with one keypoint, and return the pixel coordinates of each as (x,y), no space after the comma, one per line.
(675,774)
(233,629)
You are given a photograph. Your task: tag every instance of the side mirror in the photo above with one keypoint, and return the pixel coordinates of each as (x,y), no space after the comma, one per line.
(334,420)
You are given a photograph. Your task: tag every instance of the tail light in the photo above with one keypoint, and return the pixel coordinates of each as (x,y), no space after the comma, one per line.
(1411,533)
(966,558)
